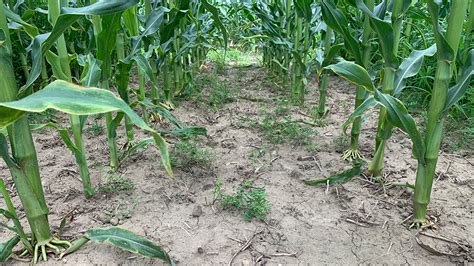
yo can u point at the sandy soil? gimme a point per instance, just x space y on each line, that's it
357 222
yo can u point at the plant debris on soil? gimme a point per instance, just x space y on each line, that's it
255 134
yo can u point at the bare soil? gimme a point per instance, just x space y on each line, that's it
359 222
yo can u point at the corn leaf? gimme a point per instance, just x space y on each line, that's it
338 21
77 100
6 249
152 25
399 117
410 67
303 8
338 178
91 70
144 64
129 241
353 73
6 226
6 214
369 103
31 30
331 54
445 51
456 92
385 33
63 133
43 42
217 21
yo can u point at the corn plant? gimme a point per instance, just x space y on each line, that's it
425 148
360 50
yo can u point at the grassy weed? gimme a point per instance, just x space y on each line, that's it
250 201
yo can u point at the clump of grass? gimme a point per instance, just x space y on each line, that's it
341 143
114 183
250 201
245 121
283 107
291 132
221 95
187 154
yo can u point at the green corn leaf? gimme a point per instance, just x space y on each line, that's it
144 64
175 18
217 21
63 133
353 73
410 67
6 249
331 54
31 30
303 8
129 241
369 103
55 63
106 42
6 214
445 51
43 42
91 70
136 147
152 25
338 178
399 117
338 21
456 92
77 100
385 33
130 21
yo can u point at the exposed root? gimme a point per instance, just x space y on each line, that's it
352 154
428 222
55 245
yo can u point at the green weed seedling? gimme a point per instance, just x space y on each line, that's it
95 129
279 132
249 200
115 182
221 95
187 154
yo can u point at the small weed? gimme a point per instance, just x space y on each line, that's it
341 143
258 153
249 200
286 132
312 148
246 122
220 95
95 130
187 154
114 182
283 107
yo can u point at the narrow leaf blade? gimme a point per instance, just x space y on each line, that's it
129 241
